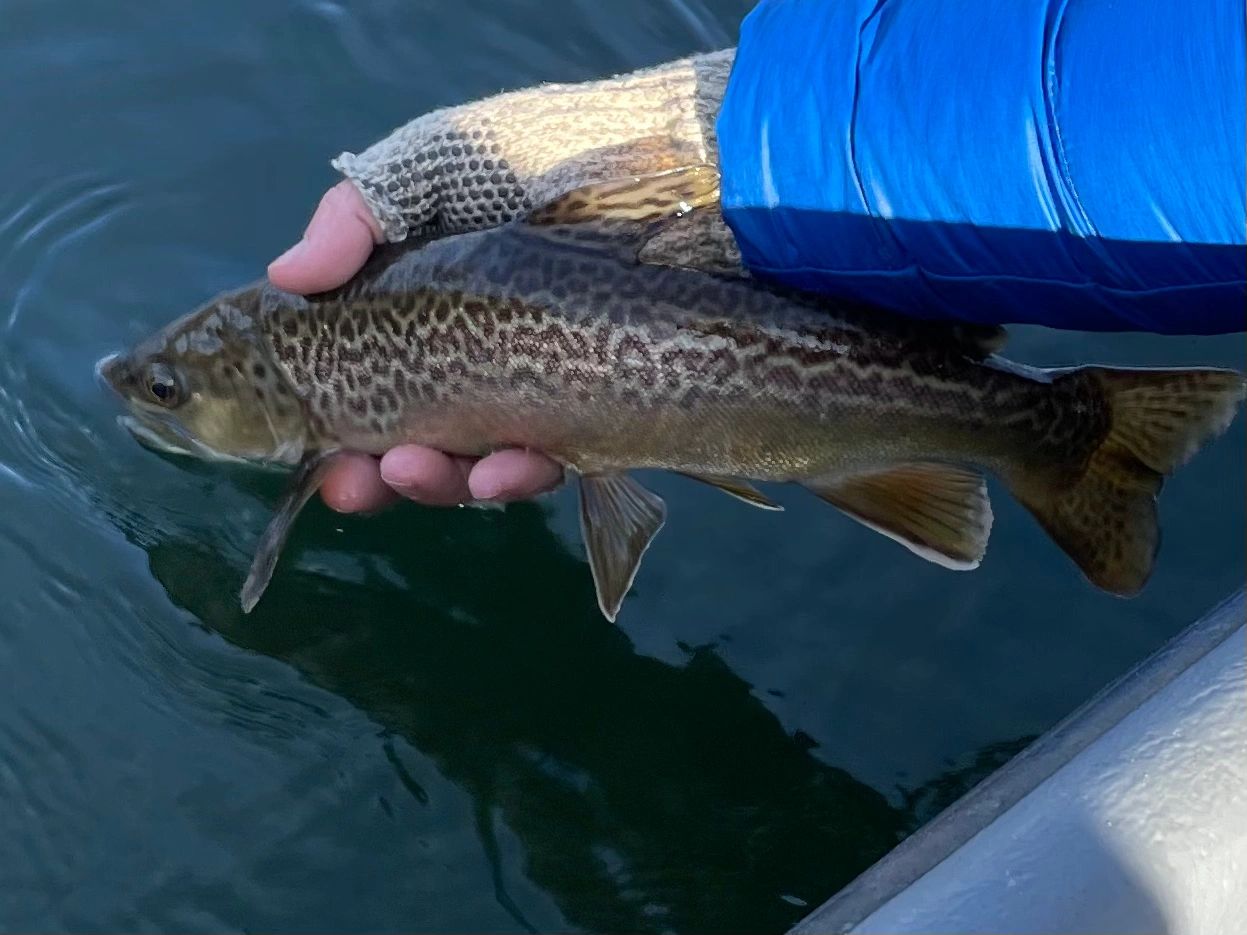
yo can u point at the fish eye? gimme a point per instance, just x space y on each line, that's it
161 385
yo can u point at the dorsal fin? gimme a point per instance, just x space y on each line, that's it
984 340
620 216
638 199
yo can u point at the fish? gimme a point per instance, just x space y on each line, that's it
549 333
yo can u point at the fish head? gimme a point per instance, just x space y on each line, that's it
208 386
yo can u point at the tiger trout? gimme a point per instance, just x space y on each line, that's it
550 334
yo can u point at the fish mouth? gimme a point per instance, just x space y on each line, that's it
155 436
165 436
105 367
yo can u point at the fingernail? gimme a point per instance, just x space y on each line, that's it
404 485
499 492
489 492
400 485
399 480
291 254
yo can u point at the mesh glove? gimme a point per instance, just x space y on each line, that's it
486 162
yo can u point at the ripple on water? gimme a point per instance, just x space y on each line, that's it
57 431
35 235
48 449
71 482
38 232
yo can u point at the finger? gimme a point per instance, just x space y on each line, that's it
514 474
427 476
354 485
335 245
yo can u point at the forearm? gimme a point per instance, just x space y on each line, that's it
936 157
485 162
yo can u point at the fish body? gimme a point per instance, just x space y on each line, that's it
507 338
549 334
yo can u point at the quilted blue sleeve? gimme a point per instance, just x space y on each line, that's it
1073 163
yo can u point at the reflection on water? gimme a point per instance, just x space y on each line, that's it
647 797
426 725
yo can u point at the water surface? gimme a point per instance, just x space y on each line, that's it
426 724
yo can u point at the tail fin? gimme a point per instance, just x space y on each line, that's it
1105 518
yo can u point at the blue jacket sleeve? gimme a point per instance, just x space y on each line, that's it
1073 163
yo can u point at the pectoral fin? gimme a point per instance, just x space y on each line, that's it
937 511
306 481
618 519
738 488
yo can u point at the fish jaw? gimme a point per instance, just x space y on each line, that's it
163 437
154 436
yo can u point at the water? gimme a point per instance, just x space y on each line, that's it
426 725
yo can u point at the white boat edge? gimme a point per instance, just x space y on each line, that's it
1130 815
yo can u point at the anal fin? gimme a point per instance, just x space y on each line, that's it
738 488
618 519
938 511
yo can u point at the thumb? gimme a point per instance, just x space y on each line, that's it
335 245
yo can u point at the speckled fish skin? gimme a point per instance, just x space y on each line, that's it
548 334
510 338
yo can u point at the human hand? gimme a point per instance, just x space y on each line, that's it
482 164
335 245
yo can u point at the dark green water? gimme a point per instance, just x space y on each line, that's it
426 725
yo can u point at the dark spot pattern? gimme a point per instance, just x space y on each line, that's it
576 333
